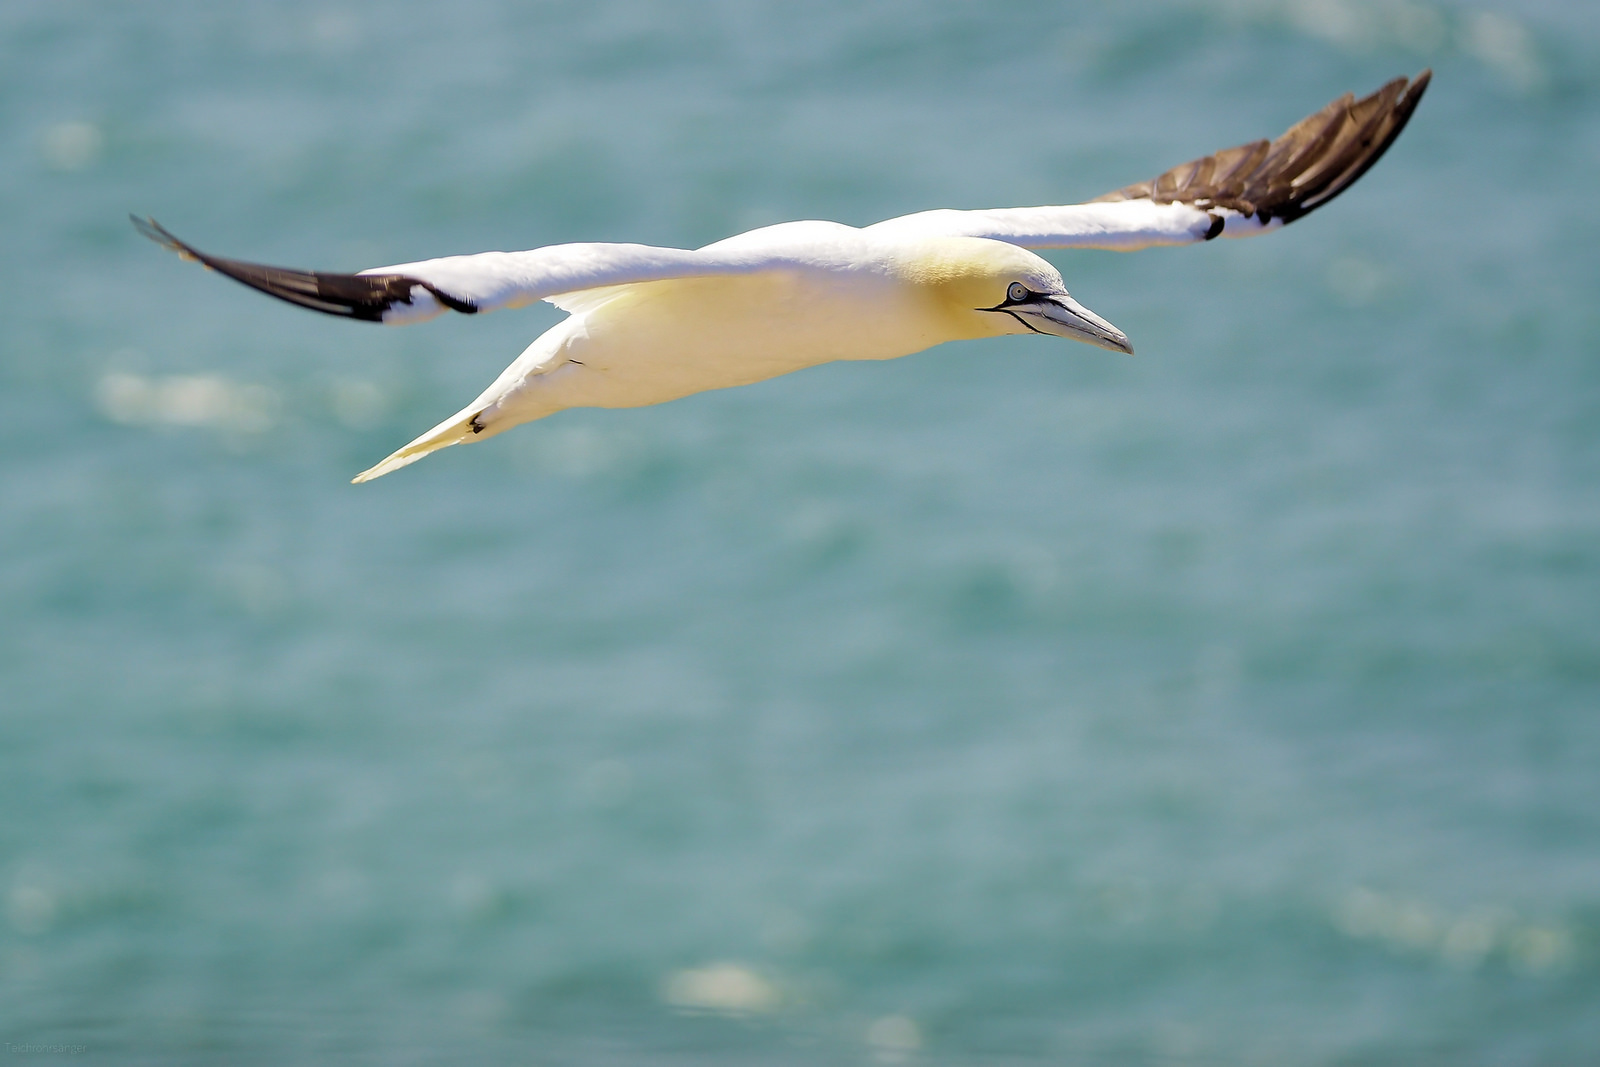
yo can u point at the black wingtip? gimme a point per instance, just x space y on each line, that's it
364 297
158 233
1314 161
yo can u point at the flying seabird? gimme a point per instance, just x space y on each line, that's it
647 325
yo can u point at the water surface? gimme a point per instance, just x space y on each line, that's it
1010 703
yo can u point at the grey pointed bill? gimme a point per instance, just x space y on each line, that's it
1061 316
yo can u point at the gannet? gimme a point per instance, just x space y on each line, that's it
647 325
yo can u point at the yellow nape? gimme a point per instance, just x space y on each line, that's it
962 275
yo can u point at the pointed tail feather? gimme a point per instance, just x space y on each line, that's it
454 430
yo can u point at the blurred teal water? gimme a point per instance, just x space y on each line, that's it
1010 703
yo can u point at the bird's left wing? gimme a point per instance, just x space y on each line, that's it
487 281
1237 192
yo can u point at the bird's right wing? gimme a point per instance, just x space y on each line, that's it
1237 192
413 292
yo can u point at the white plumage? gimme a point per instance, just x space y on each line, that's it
650 324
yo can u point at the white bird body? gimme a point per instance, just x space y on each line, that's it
652 342
808 302
781 299
648 325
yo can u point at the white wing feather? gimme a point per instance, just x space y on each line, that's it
1121 226
491 281
494 280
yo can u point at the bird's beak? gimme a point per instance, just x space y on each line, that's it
1060 315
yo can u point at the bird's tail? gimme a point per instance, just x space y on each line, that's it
462 426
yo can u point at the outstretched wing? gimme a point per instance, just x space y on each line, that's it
487 281
1233 193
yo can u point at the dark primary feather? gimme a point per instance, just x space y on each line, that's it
353 296
1314 161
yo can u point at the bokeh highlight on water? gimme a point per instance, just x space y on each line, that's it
1010 703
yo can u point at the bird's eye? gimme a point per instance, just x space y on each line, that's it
1017 292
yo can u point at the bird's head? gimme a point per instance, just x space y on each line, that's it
985 288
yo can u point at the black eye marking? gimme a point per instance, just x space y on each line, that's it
1024 321
1016 293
